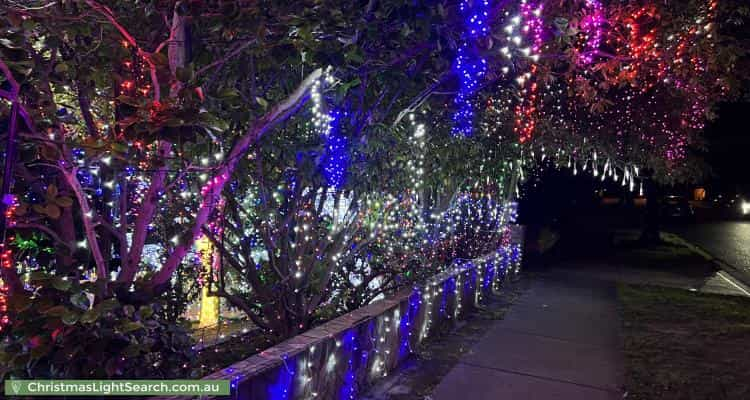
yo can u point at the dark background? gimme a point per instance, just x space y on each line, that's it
728 153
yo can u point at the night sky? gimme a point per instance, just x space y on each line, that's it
728 152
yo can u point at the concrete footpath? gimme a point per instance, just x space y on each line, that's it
559 341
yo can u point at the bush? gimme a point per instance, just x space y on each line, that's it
61 331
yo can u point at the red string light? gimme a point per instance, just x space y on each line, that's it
526 110
6 261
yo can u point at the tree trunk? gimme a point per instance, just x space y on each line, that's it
652 221
176 55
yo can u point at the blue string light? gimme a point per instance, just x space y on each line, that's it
469 65
281 388
336 158
349 348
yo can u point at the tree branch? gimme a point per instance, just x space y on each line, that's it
110 16
88 224
212 191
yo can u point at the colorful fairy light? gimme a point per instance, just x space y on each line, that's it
625 92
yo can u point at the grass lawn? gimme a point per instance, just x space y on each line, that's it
685 345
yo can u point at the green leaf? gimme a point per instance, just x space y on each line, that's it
145 312
354 56
118 148
61 68
19 303
130 326
159 59
128 310
19 362
107 305
131 101
40 351
348 85
64 201
29 24
70 318
49 152
56 311
132 350
25 244
36 276
90 316
263 102
61 284
228 93
80 300
184 74
213 123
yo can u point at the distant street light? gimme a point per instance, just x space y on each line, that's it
745 208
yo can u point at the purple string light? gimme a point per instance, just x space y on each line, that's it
591 26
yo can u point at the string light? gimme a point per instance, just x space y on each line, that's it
470 67
6 258
591 25
326 125
368 349
526 110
